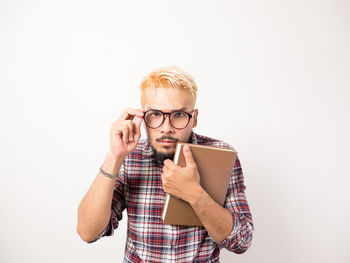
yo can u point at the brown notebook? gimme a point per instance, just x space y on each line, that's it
214 165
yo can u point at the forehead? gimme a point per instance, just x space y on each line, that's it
167 99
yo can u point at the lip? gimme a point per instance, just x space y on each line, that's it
168 142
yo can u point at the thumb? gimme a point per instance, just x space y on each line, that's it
189 157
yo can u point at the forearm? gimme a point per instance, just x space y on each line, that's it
216 219
95 208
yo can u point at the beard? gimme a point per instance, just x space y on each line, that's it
161 157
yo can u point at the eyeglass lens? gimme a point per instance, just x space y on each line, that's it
178 119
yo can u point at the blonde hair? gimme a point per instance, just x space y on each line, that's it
169 77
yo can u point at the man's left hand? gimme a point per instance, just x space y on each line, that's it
181 182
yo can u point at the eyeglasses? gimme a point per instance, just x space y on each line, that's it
178 119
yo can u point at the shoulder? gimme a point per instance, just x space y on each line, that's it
206 140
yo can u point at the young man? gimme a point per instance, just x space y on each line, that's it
137 174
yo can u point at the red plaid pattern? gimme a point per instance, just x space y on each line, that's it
139 190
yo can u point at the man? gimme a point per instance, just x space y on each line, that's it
137 174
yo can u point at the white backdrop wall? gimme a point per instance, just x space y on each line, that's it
273 80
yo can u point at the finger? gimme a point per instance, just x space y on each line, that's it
169 163
165 169
188 156
137 127
162 177
131 130
126 134
129 114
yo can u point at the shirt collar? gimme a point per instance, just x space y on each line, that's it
194 138
147 151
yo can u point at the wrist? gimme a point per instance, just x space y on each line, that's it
197 195
115 156
112 163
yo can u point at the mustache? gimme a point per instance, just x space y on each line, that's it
164 137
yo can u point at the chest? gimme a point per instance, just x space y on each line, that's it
144 192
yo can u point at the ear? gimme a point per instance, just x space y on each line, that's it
195 116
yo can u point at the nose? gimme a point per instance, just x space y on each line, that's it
167 128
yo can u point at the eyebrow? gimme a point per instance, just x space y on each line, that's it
183 108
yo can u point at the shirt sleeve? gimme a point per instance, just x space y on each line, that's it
117 207
240 237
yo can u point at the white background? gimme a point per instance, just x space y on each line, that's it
273 80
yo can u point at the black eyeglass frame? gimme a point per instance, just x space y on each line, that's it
164 116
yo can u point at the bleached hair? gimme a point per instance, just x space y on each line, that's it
169 77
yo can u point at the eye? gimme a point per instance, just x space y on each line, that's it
155 114
178 114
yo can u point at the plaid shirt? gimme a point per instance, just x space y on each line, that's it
139 189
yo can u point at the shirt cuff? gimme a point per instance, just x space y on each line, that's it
228 240
107 231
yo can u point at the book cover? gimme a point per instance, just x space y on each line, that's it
214 165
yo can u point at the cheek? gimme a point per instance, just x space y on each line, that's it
149 133
152 135
186 134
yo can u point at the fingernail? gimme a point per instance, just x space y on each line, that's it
186 147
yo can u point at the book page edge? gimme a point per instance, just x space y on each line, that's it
210 147
165 206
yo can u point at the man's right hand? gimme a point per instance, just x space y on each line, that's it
94 211
125 132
